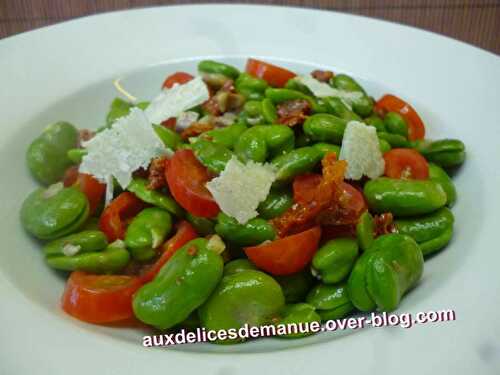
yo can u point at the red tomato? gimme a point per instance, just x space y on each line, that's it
170 123
176 78
186 178
286 255
185 233
405 163
99 298
391 103
304 187
274 75
92 188
114 216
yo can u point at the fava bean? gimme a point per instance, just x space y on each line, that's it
362 106
445 152
330 301
54 212
276 203
210 66
339 109
76 155
364 231
238 265
325 148
113 259
138 186
261 141
334 260
170 138
246 297
86 241
295 162
47 157
431 246
324 127
376 122
296 286
147 231
212 155
299 315
269 111
384 145
183 284
404 197
250 86
428 228
252 233
396 124
394 140
437 174
227 136
202 225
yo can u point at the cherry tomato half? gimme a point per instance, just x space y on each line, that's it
99 298
185 233
391 103
176 78
274 75
114 216
286 255
405 163
186 178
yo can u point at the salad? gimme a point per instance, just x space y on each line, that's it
233 198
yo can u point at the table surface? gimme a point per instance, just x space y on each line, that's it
473 21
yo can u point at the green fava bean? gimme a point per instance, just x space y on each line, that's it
384 145
362 106
330 301
227 136
356 284
364 231
437 174
147 231
113 259
396 124
238 265
376 122
76 155
54 212
404 197
47 157
298 314
202 225
431 246
394 140
210 66
293 84
170 138
269 111
119 108
325 148
246 297
212 155
334 260
183 284
445 152
138 186
393 269
252 233
261 141
339 109
426 229
298 161
275 204
83 242
278 96
253 108
324 127
251 87
296 286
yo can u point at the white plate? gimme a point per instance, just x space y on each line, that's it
65 72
